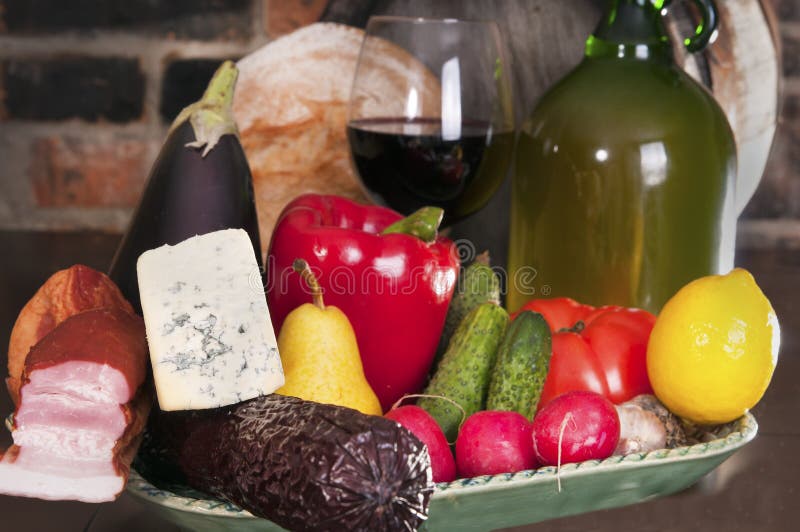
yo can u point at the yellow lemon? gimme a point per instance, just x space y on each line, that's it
714 348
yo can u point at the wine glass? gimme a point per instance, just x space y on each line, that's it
430 118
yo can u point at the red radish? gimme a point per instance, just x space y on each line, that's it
492 442
424 427
574 427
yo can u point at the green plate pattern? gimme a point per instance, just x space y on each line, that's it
498 501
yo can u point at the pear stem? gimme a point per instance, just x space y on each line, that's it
302 267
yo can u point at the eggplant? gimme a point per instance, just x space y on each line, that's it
301 464
199 183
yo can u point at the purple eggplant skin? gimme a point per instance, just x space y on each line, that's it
301 464
189 192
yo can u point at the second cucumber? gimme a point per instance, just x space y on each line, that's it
523 360
464 372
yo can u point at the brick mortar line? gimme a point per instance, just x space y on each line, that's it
153 64
119 45
106 42
789 29
790 86
105 219
259 23
768 233
76 127
787 223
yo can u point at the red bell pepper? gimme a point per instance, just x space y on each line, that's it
603 350
393 278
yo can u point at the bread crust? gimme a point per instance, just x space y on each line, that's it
291 106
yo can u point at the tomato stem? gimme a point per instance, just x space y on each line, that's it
577 328
483 258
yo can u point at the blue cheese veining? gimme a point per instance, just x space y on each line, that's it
208 327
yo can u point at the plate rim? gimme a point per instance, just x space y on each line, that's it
745 430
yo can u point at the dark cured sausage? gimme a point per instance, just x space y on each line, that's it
303 465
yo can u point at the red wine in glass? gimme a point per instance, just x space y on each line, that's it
430 121
408 164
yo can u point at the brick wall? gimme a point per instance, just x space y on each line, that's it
88 88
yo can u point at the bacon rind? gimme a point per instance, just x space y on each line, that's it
64 294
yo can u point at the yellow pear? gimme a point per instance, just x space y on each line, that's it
320 355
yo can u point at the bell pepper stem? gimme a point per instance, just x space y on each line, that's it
423 224
302 267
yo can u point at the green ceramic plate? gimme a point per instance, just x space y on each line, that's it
490 502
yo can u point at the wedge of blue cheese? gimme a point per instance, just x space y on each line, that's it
208 327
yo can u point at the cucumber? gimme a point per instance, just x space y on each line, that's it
478 284
520 369
464 372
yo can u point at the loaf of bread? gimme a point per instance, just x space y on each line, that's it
291 105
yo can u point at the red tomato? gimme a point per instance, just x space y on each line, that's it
559 313
602 350
619 338
574 366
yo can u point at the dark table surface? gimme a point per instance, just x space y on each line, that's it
754 491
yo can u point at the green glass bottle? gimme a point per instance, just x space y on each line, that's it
624 183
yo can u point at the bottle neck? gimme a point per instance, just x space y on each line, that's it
631 29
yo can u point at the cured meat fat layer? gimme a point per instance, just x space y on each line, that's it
83 405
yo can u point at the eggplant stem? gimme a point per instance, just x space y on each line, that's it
302 267
211 117
219 92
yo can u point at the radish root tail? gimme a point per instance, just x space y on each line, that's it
428 396
561 430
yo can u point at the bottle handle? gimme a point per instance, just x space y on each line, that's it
707 27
